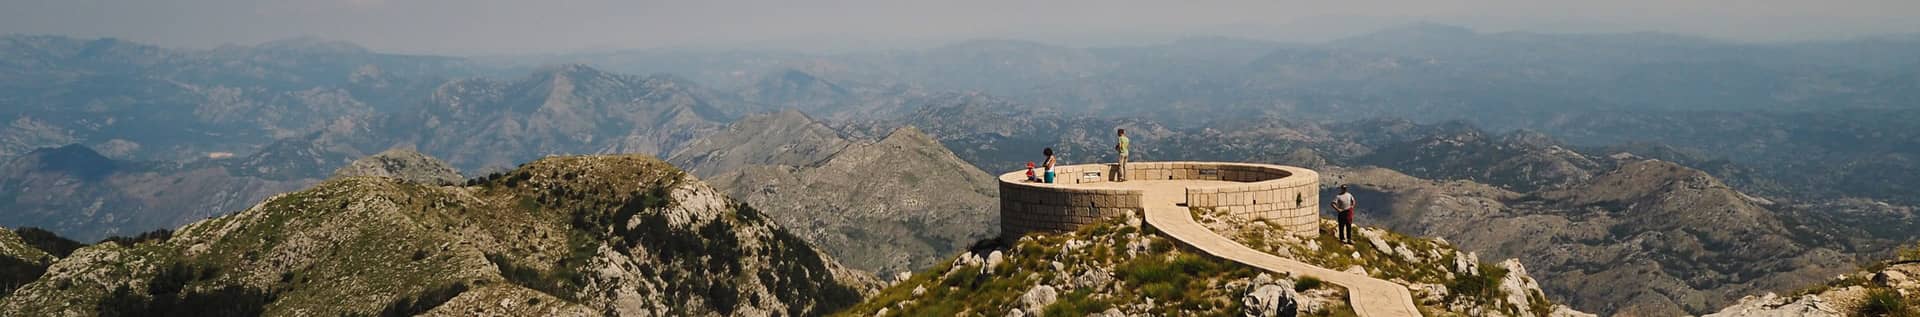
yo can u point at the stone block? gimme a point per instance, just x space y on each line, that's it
1080 200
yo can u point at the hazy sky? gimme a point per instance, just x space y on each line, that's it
479 27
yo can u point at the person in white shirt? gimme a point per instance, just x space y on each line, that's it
1344 205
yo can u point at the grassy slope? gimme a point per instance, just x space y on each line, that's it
1176 281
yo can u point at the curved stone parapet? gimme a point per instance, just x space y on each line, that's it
1284 195
1083 194
1028 206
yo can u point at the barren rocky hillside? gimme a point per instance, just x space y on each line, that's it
897 204
1890 288
1648 238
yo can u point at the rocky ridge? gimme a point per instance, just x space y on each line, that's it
403 164
1890 288
586 235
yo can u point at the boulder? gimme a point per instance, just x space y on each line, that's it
1406 254
1517 285
902 277
994 259
1270 300
1899 277
1379 242
1466 263
1772 305
1038 297
1263 278
1564 311
1093 279
1428 292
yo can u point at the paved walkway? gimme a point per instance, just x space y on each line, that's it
1370 297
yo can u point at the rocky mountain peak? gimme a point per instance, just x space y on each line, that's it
404 164
911 200
1529 139
572 72
293 158
313 44
576 235
74 159
1650 179
795 89
780 138
909 136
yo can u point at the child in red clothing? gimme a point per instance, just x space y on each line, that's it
1030 176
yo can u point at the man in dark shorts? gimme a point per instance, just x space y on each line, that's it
1120 173
1343 204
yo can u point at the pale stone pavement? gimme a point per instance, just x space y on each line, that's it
1370 297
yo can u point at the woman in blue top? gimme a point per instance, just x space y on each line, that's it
1050 161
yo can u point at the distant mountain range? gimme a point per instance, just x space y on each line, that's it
1634 173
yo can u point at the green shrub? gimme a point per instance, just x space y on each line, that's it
1077 303
157 236
1193 264
1163 291
15 273
48 241
1886 302
556 284
1147 270
425 301
1908 253
1306 283
168 295
1485 285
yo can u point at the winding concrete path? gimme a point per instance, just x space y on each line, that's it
1370 297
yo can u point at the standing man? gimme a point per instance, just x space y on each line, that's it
1343 204
1120 175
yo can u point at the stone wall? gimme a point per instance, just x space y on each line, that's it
1287 196
1028 207
1284 195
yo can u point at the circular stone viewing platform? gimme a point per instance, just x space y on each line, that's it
1084 194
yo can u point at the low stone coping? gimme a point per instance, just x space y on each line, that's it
1285 194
